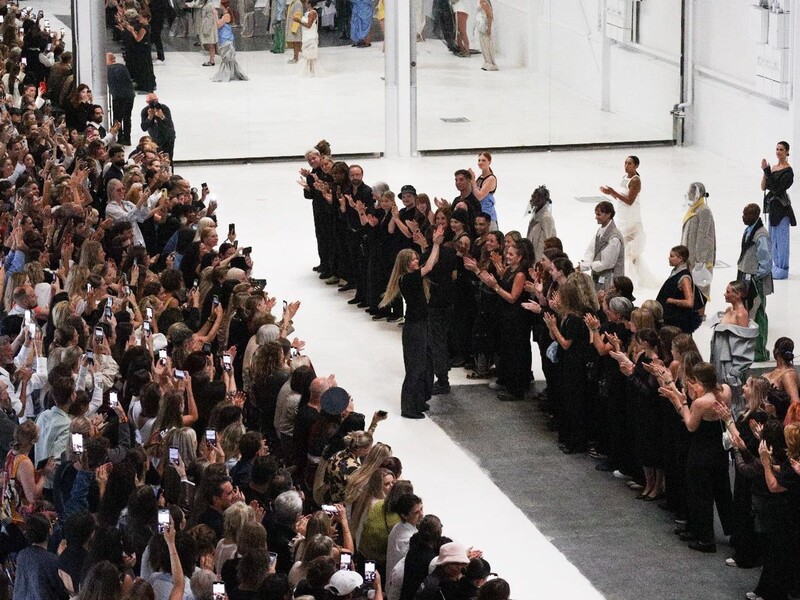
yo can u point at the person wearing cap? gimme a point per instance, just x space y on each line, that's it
344 584
605 255
448 565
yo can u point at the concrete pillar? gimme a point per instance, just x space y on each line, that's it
401 80
794 102
89 43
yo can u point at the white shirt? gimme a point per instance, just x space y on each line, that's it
397 546
128 211
608 255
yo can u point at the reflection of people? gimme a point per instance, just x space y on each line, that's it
310 35
361 22
136 41
629 220
484 17
698 233
774 183
444 24
207 29
605 255
228 69
278 24
755 270
542 225
418 18
293 34
459 8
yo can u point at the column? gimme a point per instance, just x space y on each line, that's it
401 87
794 102
89 43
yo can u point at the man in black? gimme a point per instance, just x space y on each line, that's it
356 192
57 77
220 496
157 122
116 159
466 199
120 86
323 229
483 225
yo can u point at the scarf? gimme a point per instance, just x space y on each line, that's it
693 209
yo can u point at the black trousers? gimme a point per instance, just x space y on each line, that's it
318 210
354 258
439 319
709 484
418 360
155 38
122 109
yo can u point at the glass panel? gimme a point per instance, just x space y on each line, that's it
280 110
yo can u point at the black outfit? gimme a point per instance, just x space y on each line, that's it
161 130
618 444
708 482
686 319
120 85
473 207
214 519
574 384
464 309
322 230
279 539
265 396
76 116
444 23
514 353
417 354
748 481
158 12
776 199
418 558
440 309
138 59
644 388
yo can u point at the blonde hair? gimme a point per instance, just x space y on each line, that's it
360 477
14 281
35 272
235 516
586 292
230 438
401 268
76 280
60 313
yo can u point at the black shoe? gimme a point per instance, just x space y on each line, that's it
354 301
506 397
603 466
362 304
324 275
372 311
709 547
316 269
680 530
412 415
469 365
457 361
393 318
348 287
439 390
378 317
425 407
686 536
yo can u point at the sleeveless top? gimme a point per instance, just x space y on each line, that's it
627 214
708 438
13 494
674 315
225 34
487 204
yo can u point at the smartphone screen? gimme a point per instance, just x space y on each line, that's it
77 443
211 437
162 356
98 334
344 561
369 571
113 401
215 301
32 330
146 327
163 520
179 374
27 317
226 362
218 590
174 457
149 312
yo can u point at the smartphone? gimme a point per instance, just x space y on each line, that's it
215 302
218 590
226 361
285 305
98 335
382 414
293 352
32 330
204 185
369 571
90 357
231 229
162 356
163 520
88 288
211 437
206 348
77 443
344 561
113 400
235 243
247 251
40 465
49 47
179 374
109 302
330 509
107 313
174 457
195 284
24 60
149 312
146 327
127 291
273 558
27 317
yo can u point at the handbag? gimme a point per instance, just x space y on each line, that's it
701 275
552 352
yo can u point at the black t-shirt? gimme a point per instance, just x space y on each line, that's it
441 276
414 295
214 519
473 207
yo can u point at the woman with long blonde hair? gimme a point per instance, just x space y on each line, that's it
408 279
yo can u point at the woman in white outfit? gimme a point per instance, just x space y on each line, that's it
461 12
629 222
310 48
484 17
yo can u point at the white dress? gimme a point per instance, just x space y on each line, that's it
628 219
310 47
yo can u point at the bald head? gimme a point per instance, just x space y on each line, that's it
319 386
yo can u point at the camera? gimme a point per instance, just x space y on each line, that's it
154 104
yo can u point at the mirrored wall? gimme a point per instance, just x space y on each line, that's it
568 72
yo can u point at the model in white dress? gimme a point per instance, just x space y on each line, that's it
309 51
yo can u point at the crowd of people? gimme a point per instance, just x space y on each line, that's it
165 435
625 383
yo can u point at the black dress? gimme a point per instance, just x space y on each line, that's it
648 417
514 349
686 319
138 59
574 383
417 354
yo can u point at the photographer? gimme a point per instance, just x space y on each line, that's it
157 122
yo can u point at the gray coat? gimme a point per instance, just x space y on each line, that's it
733 349
699 236
541 227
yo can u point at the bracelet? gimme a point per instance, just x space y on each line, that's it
729 423
595 330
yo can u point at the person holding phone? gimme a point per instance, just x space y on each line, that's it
27 482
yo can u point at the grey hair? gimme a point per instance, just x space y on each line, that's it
267 333
288 506
202 584
697 190
312 152
379 187
622 306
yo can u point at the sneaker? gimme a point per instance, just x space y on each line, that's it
401 321
158 63
752 596
620 475
731 562
332 280
496 386
635 486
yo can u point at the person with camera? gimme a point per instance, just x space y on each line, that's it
157 122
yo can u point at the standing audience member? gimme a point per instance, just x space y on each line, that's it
120 86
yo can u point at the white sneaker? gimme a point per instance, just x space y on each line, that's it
620 475
752 596
731 562
158 63
496 386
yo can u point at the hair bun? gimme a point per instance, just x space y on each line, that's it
788 356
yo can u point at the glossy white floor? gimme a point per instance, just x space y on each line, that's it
271 215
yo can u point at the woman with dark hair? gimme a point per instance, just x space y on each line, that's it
484 186
408 279
423 547
79 108
121 484
707 462
136 42
268 372
107 544
775 182
514 354
138 524
677 295
783 378
229 69
462 293
288 404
